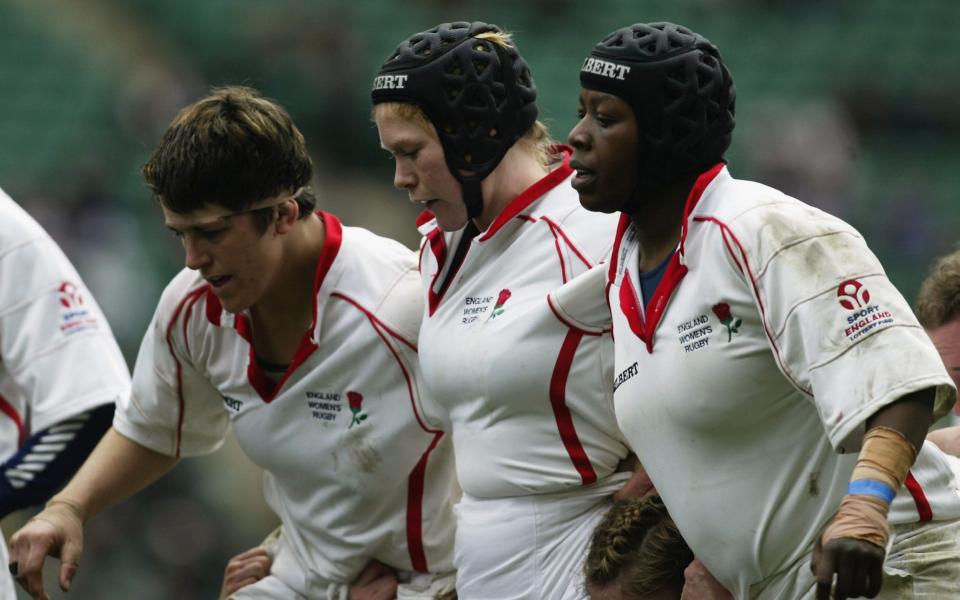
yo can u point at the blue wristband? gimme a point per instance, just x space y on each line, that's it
870 487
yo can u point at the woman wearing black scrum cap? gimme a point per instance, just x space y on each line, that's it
526 390
784 427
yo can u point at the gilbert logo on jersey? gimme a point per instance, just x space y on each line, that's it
74 315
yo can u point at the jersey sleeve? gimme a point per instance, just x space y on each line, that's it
399 317
173 408
582 302
844 334
55 342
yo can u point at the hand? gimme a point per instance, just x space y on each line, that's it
699 584
947 439
376 582
637 486
857 563
244 569
57 531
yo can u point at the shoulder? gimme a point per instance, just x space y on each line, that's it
381 275
592 232
18 227
187 288
765 221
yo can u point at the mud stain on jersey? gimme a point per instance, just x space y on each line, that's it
362 454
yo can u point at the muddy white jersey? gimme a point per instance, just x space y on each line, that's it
744 384
524 390
58 356
352 466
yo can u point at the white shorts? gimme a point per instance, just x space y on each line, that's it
528 547
923 563
287 581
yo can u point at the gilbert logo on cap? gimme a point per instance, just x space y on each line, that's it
389 82
605 68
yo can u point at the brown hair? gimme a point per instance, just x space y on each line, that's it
938 302
231 148
638 546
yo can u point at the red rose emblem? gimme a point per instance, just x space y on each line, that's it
732 324
722 311
503 297
355 401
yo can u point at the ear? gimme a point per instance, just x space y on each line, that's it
288 212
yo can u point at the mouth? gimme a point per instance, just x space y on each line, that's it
426 202
583 178
219 281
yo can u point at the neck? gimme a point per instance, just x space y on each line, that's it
659 221
518 170
290 297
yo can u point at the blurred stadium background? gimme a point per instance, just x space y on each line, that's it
850 106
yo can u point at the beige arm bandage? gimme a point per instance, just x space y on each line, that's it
886 457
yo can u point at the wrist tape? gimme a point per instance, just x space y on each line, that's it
882 466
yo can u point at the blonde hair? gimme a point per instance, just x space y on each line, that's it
638 545
938 302
536 140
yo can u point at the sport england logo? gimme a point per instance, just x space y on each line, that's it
74 316
852 294
865 318
605 68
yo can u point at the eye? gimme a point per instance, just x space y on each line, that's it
211 234
176 234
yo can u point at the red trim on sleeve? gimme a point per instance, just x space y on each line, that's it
181 405
919 497
529 195
8 409
416 481
563 319
558 389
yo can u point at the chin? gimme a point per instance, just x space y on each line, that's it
451 223
593 203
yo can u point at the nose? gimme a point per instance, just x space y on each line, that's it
196 254
578 137
403 176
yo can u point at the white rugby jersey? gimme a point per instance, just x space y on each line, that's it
745 383
354 468
523 389
58 357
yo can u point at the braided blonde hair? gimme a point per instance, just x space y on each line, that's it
638 545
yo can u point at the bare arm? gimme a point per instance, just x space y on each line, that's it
854 551
911 415
115 470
